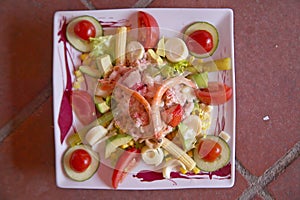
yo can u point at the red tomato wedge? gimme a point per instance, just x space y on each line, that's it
173 115
148 34
215 94
127 161
83 106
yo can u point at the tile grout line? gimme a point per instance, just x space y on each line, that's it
12 124
88 4
265 194
139 4
244 172
251 178
142 3
271 174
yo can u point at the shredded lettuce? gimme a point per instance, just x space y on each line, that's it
103 45
196 110
167 71
181 66
170 70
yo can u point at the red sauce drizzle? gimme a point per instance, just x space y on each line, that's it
114 24
150 176
65 118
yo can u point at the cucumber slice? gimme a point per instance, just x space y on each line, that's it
92 72
207 27
74 40
220 162
89 172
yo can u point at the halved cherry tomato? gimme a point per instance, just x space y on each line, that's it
200 42
215 94
85 29
148 34
83 106
80 160
173 115
125 164
209 150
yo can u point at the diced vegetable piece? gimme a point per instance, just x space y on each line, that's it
74 139
215 65
101 105
105 119
90 71
201 79
225 136
104 64
196 170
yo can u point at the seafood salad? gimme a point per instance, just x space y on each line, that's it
143 97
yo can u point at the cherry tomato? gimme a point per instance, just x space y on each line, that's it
125 164
85 29
148 34
209 150
215 94
200 42
80 160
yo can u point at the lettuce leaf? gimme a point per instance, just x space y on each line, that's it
187 136
103 45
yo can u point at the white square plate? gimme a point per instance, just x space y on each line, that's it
174 19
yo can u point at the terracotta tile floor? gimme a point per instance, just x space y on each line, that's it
267 67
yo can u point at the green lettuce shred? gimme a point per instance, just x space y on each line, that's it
181 66
170 70
103 45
